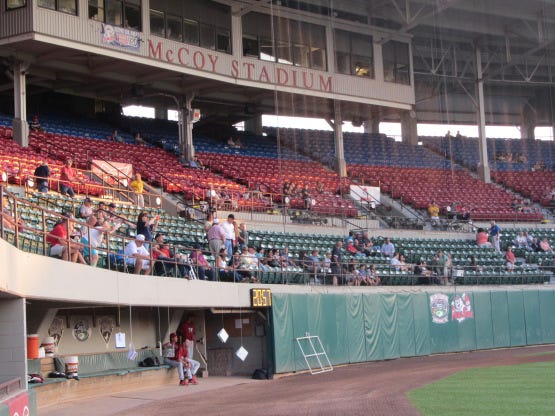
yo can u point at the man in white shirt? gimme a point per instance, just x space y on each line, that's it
137 255
229 231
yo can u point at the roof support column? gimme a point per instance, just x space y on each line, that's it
185 124
20 125
528 123
340 166
409 131
483 165
254 125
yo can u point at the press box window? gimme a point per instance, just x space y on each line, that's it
354 54
65 6
396 62
15 4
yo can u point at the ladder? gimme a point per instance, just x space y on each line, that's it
314 354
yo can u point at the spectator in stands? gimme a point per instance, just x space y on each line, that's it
424 275
337 263
226 272
203 268
448 135
137 255
139 139
147 227
286 258
320 187
352 273
137 186
229 231
216 238
173 357
115 137
495 236
352 248
312 265
85 211
441 266
67 178
35 124
243 237
42 173
397 263
61 244
196 163
113 218
482 238
535 245
161 256
305 194
92 236
372 276
433 211
101 211
273 258
520 241
474 265
388 248
458 135
544 246
510 258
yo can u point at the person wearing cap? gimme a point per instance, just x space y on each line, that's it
137 256
85 211
216 238
42 173
173 356
67 178
92 236
113 217
61 244
229 230
203 268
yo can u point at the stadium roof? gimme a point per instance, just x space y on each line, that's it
516 40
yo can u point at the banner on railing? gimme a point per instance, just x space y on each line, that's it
116 171
366 194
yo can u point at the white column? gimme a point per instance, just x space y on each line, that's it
483 164
340 166
20 125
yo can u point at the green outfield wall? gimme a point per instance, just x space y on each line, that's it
360 327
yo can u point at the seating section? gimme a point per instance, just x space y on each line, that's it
418 187
538 186
503 154
368 149
20 163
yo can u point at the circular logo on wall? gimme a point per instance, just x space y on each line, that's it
81 330
439 308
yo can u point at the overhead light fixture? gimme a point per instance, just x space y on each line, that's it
4 177
158 201
30 183
124 182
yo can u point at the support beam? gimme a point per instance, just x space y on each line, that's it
528 121
20 125
254 125
483 164
185 124
340 166
409 131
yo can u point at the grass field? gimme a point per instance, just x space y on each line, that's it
519 390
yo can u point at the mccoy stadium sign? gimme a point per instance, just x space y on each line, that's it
267 73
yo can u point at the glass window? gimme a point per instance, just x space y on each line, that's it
396 62
174 28
96 10
114 12
15 4
191 32
47 4
292 42
132 14
157 26
250 47
68 6
223 42
354 54
207 37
